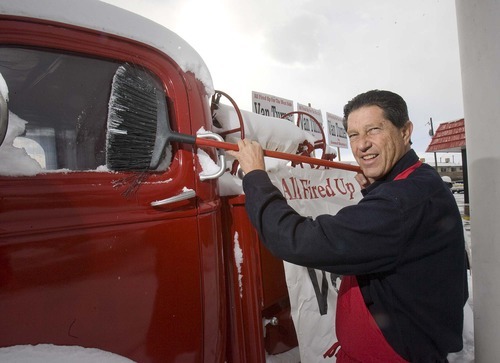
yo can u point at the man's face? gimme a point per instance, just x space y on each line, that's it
375 142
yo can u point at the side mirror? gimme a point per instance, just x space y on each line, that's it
4 118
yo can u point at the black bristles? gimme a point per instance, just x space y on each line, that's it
132 119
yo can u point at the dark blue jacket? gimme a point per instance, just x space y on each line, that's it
404 241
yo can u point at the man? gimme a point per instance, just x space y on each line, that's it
401 249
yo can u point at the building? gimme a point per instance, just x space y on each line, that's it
447 167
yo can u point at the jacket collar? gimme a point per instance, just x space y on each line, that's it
404 163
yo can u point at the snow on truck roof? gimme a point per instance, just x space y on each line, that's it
107 18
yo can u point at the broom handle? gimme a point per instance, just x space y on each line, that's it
281 155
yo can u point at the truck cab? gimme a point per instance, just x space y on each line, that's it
129 255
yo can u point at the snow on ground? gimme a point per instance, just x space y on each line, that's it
48 353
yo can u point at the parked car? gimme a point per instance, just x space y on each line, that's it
447 181
458 187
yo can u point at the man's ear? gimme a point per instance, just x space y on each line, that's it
406 131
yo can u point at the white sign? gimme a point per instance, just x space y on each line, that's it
272 106
337 136
308 124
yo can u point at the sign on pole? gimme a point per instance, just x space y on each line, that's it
272 106
337 136
307 124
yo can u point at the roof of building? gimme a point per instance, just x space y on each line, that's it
449 137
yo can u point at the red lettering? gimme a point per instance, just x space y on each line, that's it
314 189
286 190
350 187
329 189
296 190
321 191
344 192
305 188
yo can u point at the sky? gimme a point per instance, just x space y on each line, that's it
325 52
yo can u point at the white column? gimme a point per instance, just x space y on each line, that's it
479 31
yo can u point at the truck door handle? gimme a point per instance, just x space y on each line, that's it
221 157
184 195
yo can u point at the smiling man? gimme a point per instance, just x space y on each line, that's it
401 248
376 142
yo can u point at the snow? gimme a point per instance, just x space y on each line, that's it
15 160
108 18
290 356
238 260
208 166
467 353
4 90
58 354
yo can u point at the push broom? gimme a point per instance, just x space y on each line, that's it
139 130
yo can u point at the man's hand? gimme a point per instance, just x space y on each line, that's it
363 180
250 155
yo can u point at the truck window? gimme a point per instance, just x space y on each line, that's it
60 103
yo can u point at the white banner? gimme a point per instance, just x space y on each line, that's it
313 293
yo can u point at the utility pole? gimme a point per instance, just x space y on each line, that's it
431 133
